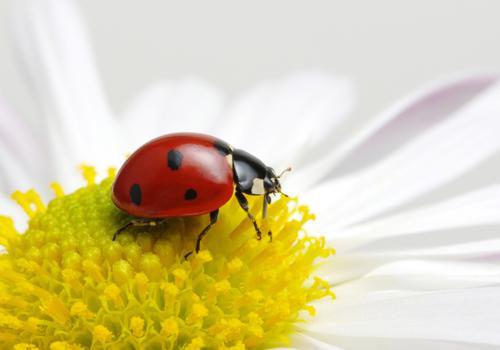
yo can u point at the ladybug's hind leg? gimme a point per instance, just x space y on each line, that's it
213 219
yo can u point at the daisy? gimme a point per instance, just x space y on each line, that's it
410 203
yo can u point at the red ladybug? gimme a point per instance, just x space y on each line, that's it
187 174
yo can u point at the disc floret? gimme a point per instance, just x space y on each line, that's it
66 285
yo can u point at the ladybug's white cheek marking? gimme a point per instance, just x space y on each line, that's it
258 186
229 159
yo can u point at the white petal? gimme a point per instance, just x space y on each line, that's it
18 136
463 315
399 124
280 121
440 155
13 175
412 276
347 267
21 153
172 106
302 341
370 343
450 230
477 208
53 48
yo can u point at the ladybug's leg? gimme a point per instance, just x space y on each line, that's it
213 219
138 222
264 206
123 228
267 200
244 205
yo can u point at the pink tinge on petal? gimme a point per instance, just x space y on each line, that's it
433 159
413 119
394 128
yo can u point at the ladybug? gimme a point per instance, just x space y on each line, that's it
188 174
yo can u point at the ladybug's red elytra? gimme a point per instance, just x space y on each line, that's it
188 174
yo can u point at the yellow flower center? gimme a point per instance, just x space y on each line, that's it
64 284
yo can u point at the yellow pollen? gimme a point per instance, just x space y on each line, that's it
102 334
24 346
169 289
196 344
57 188
235 265
32 324
80 309
169 327
137 326
29 201
113 293
203 256
222 286
89 174
180 276
198 312
111 172
66 285
62 345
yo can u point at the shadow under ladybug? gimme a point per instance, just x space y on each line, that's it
188 174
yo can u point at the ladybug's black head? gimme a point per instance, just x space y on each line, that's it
252 176
272 181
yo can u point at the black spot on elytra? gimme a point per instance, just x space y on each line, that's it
135 194
222 147
174 159
190 194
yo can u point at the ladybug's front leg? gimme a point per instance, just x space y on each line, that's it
267 200
244 205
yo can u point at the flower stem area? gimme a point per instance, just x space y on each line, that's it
64 284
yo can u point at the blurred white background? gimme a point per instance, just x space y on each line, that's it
388 47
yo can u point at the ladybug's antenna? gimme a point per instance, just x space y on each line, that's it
284 171
284 194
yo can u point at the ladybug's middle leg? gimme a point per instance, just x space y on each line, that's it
213 219
244 205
